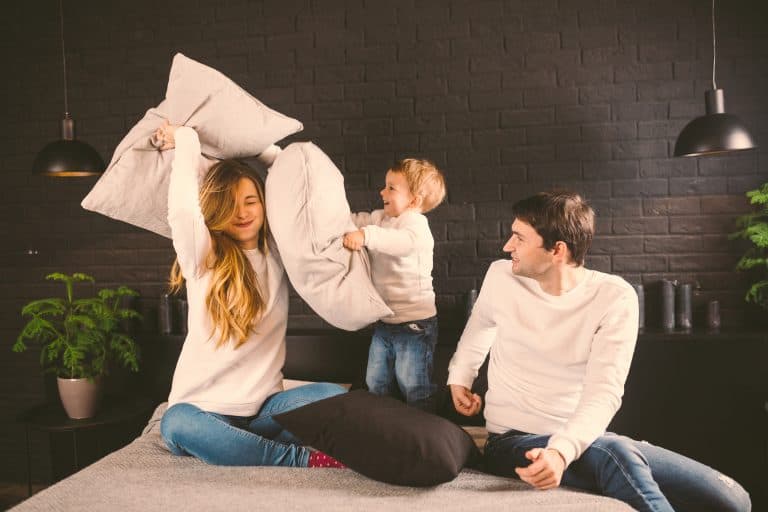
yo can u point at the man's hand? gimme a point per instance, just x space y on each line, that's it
354 240
465 402
164 137
546 470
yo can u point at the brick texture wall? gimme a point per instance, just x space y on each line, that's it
508 97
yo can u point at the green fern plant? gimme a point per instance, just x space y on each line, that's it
754 227
80 337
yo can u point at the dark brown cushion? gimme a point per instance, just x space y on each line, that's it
382 438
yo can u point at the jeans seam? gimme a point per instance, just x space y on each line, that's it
240 431
627 477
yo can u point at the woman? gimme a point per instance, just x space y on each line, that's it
228 380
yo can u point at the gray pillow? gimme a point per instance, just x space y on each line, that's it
308 213
230 122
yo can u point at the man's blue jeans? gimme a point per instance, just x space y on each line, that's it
401 357
647 477
242 441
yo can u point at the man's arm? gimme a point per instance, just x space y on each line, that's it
606 372
472 349
607 369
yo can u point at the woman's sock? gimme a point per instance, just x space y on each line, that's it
322 460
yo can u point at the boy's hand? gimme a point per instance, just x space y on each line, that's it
465 402
546 470
164 137
354 240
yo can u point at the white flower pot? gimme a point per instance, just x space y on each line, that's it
80 397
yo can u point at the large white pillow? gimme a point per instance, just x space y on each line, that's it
230 122
308 214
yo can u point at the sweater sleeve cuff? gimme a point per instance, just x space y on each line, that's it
185 136
461 378
366 236
565 446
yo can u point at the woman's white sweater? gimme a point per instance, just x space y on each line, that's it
223 380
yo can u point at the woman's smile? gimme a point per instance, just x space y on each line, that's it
244 224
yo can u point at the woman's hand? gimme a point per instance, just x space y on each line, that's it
354 240
164 137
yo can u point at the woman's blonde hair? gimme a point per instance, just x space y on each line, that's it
235 299
424 179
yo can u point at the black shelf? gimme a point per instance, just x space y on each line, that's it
702 334
75 444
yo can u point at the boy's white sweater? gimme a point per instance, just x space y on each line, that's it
557 363
401 251
224 380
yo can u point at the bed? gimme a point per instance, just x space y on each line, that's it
145 476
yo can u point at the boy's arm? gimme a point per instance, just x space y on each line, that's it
355 240
400 241
607 368
365 218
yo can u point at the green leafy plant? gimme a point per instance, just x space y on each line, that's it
81 337
754 227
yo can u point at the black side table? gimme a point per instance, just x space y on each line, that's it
78 443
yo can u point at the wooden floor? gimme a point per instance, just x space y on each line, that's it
13 493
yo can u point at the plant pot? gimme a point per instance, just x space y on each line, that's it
80 397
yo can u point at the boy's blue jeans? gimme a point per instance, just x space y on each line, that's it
238 440
647 477
401 357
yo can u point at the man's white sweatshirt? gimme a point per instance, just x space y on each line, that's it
558 363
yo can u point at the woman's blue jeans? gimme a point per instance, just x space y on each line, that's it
242 441
400 359
647 477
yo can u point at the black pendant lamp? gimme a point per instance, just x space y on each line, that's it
67 157
716 132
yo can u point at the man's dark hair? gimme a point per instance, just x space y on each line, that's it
559 215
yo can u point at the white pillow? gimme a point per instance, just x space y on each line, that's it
230 122
308 214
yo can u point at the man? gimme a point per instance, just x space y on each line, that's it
561 339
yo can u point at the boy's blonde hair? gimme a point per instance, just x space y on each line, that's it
424 179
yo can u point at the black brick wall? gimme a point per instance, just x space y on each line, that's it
508 97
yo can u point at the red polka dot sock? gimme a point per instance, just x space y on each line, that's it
321 460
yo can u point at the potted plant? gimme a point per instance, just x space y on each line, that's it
81 339
754 227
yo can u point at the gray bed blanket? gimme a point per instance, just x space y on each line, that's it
145 476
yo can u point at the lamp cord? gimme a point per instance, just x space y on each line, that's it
64 56
714 46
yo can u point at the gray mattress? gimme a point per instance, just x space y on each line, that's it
145 476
